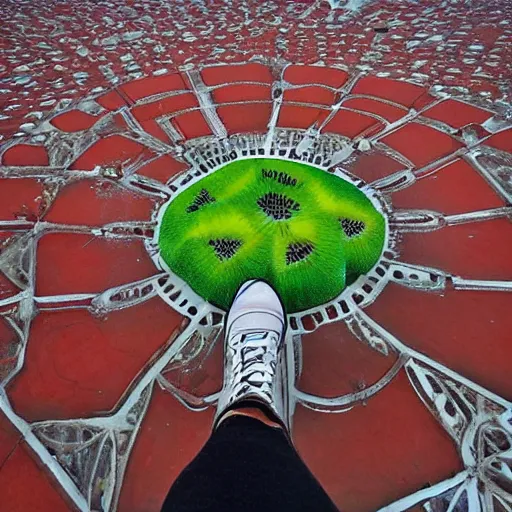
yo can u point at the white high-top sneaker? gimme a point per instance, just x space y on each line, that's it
253 366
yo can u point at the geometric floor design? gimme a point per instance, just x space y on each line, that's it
108 388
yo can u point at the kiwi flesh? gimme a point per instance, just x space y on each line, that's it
305 231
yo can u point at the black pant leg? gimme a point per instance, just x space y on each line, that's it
247 466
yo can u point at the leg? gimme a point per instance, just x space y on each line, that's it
247 466
249 462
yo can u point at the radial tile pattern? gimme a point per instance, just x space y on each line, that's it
110 366
56 52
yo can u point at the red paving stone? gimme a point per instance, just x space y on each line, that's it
243 92
10 437
421 144
164 107
56 384
474 251
192 125
243 73
501 141
403 93
457 114
389 112
102 263
98 202
20 198
115 150
377 452
456 188
112 100
310 94
162 168
74 121
153 128
372 166
25 485
169 438
25 154
474 343
151 86
351 124
336 363
245 118
328 76
291 116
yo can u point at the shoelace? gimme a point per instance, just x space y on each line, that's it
254 359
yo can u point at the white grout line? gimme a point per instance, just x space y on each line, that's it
54 467
350 399
75 297
425 494
482 285
490 214
207 106
404 349
161 363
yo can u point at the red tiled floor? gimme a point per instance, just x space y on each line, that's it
351 124
9 438
329 76
475 251
26 485
164 107
457 114
245 118
98 202
98 263
153 128
20 198
336 363
79 365
291 116
456 188
192 125
372 166
245 92
112 100
242 73
310 94
377 452
169 438
501 140
403 93
150 86
466 331
228 33
114 150
25 154
74 121
162 168
389 112
421 144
